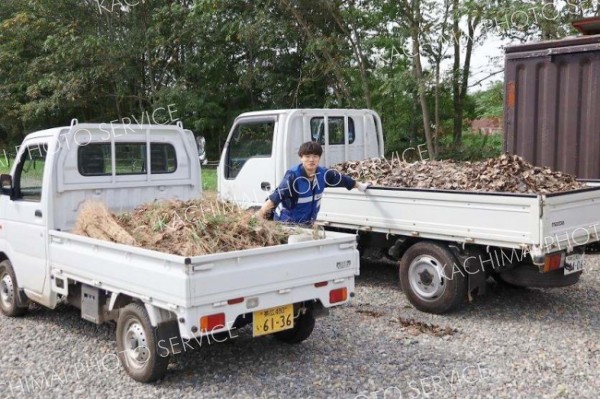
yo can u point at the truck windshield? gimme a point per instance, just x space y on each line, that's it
249 140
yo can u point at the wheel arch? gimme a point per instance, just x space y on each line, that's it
403 244
119 300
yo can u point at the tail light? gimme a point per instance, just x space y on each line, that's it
212 322
321 284
553 262
338 295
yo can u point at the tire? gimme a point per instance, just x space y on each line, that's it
138 350
431 278
530 276
9 292
304 325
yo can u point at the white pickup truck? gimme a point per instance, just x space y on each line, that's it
160 301
446 243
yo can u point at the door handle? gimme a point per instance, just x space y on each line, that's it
38 213
265 186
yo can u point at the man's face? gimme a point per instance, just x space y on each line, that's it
310 163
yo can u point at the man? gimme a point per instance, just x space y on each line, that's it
302 187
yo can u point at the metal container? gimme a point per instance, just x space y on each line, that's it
552 104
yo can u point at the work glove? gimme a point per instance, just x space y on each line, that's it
362 187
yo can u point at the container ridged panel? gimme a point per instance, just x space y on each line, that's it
552 108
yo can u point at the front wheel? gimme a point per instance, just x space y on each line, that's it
138 349
431 278
9 291
304 325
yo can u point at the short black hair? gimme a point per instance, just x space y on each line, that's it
310 148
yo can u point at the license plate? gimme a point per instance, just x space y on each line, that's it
573 263
273 320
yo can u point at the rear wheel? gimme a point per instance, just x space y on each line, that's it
304 325
9 291
431 278
138 349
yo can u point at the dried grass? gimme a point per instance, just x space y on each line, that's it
190 228
95 220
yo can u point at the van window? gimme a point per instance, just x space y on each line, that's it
336 130
130 159
30 173
249 140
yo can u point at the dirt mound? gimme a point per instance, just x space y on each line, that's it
507 173
187 228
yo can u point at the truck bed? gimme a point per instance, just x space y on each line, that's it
174 282
541 223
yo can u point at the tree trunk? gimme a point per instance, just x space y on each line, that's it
418 74
437 109
332 63
547 25
354 38
456 98
363 71
438 56
472 23
413 124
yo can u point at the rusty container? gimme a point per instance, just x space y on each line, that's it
552 104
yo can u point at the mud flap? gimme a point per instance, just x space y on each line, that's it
22 299
168 339
476 277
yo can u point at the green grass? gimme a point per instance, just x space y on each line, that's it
474 147
5 164
209 179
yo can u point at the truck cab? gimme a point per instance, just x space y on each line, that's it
262 146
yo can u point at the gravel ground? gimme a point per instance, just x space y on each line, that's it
512 343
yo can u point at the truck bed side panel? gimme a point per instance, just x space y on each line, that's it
503 220
148 274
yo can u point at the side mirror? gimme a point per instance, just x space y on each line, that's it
201 143
7 185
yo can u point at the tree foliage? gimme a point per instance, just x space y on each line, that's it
105 60
489 103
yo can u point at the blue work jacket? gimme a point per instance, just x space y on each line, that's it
297 200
